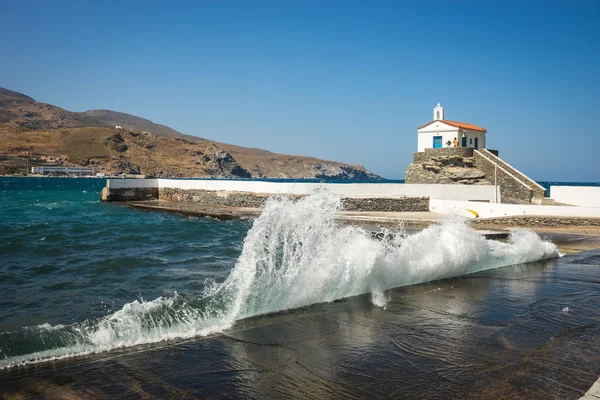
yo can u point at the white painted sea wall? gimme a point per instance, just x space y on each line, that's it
489 210
131 183
583 196
482 193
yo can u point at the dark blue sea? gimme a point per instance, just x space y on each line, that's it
78 276
547 185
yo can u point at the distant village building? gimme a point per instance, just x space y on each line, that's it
441 133
62 171
118 127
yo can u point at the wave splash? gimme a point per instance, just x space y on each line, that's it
294 255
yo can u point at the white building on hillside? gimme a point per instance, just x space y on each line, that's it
439 132
62 171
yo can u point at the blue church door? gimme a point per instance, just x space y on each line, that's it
464 141
477 143
437 142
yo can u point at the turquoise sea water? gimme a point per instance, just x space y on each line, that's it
67 257
78 276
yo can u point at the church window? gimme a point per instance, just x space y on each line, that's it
438 115
471 141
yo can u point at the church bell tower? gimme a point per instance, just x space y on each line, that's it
438 113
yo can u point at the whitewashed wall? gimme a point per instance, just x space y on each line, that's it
475 134
437 128
426 139
488 210
583 196
389 190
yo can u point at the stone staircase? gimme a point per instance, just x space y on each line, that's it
513 183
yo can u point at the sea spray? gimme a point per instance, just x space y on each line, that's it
294 255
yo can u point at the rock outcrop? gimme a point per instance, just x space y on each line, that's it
446 170
115 141
342 172
228 166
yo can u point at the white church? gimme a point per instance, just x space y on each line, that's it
441 133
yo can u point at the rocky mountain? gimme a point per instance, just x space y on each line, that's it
131 122
90 138
9 94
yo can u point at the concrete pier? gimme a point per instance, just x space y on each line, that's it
593 393
223 213
384 203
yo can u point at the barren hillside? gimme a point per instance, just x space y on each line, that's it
142 146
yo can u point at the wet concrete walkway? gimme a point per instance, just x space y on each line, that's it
372 220
226 213
529 331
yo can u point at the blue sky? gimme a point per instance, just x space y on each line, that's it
340 80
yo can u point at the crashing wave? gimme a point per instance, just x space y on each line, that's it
294 255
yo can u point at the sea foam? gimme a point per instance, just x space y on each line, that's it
294 255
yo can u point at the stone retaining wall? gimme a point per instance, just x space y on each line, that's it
214 197
538 221
402 204
423 156
129 194
257 200
419 157
510 187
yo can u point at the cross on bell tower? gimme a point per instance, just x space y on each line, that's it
438 113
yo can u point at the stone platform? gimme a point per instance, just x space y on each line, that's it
219 212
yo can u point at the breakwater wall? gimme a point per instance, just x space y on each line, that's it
257 200
356 196
583 196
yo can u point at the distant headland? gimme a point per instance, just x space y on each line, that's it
44 139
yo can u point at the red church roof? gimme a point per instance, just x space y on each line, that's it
463 125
